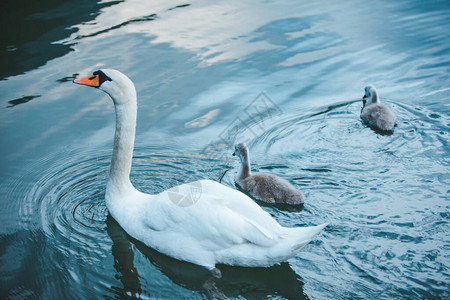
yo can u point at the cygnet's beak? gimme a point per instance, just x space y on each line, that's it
364 99
234 154
93 80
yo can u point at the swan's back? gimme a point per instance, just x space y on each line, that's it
270 188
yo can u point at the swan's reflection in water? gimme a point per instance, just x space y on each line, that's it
252 283
123 260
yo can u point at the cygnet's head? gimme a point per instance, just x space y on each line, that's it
241 151
370 95
116 84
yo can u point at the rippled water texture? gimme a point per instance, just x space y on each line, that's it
286 77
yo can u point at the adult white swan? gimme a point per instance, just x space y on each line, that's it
222 225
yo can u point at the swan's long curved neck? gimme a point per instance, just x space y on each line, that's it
126 112
244 171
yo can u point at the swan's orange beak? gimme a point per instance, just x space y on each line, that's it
93 80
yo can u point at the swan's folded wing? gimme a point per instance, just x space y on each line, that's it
220 218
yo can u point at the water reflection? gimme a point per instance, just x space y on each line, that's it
22 100
30 30
123 260
183 28
253 283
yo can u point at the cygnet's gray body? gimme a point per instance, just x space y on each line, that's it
375 113
265 187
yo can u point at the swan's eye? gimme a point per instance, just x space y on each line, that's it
102 77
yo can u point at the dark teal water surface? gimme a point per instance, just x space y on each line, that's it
285 76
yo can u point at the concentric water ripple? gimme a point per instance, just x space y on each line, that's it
68 202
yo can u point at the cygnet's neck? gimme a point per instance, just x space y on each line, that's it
374 96
126 112
244 171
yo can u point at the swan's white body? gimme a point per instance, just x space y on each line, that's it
375 113
221 225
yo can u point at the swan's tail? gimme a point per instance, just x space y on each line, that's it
298 237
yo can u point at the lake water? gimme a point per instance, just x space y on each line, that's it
285 76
